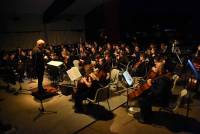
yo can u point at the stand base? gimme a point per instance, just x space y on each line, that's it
42 112
22 91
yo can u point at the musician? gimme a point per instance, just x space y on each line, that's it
100 62
38 63
196 62
127 52
21 60
93 54
156 84
86 87
152 57
29 69
65 57
163 49
139 68
197 53
136 54
83 55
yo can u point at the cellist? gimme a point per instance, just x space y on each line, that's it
155 71
156 87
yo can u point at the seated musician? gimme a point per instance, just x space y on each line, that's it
105 68
85 88
196 62
197 51
140 67
152 57
7 69
157 81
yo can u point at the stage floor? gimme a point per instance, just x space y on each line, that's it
21 112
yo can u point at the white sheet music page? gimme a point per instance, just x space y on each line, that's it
74 73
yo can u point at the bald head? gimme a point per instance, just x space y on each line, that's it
40 43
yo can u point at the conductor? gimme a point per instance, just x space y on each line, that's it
38 63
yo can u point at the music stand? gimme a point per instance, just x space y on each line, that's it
129 81
55 64
195 73
74 74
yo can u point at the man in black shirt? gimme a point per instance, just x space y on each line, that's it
38 63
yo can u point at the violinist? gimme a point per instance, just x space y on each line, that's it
65 57
163 50
153 55
21 60
136 53
139 68
86 87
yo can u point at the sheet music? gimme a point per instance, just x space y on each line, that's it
74 73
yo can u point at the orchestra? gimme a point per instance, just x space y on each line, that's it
95 64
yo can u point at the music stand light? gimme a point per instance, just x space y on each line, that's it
128 78
55 63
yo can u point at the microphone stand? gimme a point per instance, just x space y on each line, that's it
177 55
191 83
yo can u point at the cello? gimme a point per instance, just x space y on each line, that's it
154 73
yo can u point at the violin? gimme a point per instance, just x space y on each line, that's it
136 65
99 74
